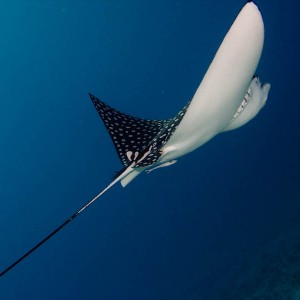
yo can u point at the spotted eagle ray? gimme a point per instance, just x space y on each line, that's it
228 97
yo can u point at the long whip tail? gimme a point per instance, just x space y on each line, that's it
45 239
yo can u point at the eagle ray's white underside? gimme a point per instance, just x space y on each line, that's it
219 96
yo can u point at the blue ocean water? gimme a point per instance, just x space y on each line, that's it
223 223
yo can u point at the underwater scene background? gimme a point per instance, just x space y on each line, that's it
222 223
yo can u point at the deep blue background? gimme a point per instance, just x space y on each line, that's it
183 232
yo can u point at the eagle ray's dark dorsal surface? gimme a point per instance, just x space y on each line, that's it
128 133
132 135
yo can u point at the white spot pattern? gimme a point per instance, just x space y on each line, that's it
137 139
